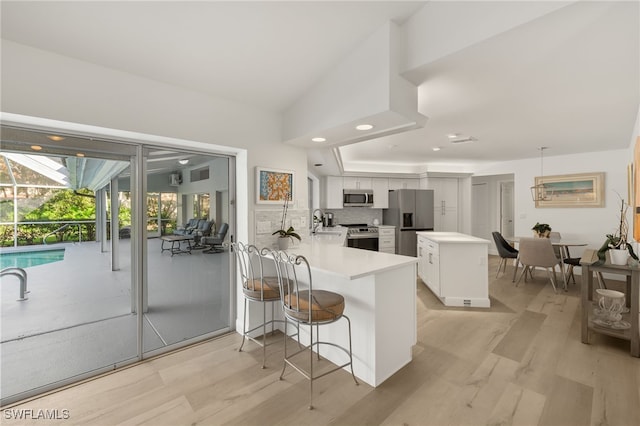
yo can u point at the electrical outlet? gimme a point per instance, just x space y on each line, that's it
263 227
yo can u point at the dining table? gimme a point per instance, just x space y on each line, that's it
563 245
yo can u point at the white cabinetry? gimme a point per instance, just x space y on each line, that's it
445 203
404 183
387 239
422 257
350 182
380 188
332 193
454 267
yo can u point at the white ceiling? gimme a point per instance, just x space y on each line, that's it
567 81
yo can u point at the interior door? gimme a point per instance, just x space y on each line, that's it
506 208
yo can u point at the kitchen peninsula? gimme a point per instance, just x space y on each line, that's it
380 299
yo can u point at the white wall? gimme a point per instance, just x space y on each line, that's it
586 224
43 84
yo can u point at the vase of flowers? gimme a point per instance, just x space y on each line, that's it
285 235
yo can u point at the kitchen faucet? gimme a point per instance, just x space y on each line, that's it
316 225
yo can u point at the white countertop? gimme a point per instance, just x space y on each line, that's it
452 237
347 262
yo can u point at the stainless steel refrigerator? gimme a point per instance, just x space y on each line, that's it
410 211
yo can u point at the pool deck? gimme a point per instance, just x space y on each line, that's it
78 315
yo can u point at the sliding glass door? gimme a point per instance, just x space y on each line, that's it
92 229
188 283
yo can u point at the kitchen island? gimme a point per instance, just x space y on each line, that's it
454 267
380 299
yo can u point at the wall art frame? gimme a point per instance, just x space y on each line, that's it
274 186
573 190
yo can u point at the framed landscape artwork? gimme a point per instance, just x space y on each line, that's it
577 190
273 186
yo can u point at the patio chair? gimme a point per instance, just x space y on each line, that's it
187 228
215 241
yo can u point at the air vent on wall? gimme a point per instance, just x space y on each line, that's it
199 174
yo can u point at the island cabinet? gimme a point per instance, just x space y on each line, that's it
454 267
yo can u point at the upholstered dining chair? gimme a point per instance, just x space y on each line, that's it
256 287
538 252
305 305
505 251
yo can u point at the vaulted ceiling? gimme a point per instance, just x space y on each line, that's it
567 78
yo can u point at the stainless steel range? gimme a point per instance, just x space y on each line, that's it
362 236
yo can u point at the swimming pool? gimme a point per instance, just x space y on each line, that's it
25 259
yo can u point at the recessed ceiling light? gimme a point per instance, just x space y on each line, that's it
79 154
55 138
319 139
453 135
183 161
364 127
36 147
436 148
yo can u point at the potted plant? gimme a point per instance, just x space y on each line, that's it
617 244
541 230
285 234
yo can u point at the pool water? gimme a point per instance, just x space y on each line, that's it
26 259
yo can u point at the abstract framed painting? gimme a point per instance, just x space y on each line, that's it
273 186
576 190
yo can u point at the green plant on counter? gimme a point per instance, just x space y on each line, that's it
542 229
288 232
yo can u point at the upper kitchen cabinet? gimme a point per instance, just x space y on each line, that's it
380 188
445 203
331 194
350 182
403 183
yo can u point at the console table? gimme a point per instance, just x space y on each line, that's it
632 275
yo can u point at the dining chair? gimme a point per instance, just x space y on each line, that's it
505 251
564 254
307 306
256 287
538 252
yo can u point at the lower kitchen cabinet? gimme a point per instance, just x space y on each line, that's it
454 267
387 239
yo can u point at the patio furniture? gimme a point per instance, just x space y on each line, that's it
175 241
215 241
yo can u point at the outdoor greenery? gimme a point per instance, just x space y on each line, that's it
59 206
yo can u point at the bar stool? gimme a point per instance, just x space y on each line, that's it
306 306
256 287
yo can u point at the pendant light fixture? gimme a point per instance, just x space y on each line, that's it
540 192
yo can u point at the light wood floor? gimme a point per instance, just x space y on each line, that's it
520 362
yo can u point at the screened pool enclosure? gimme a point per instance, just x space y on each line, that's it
112 297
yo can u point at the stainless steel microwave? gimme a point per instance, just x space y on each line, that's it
357 198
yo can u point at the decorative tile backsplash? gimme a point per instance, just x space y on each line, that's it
268 221
356 215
